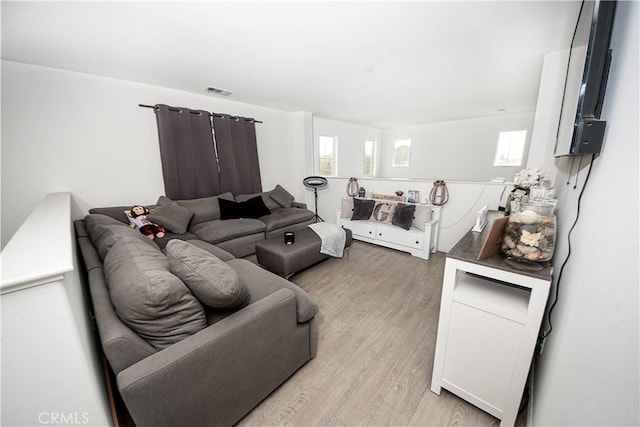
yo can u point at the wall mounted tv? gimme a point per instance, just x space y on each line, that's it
580 130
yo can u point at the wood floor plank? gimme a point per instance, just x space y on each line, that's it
377 325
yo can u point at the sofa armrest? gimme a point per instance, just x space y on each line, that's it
299 205
217 375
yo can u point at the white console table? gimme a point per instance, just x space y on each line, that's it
490 316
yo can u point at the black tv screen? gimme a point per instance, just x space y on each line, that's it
580 130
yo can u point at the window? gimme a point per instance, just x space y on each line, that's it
369 158
401 152
510 149
327 156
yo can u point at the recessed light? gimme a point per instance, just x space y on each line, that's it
219 91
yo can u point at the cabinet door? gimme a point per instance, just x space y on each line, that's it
400 237
481 353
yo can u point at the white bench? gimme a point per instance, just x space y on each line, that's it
415 241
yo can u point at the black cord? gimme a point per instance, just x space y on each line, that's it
575 182
555 299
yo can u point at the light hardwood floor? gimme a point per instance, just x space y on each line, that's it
378 322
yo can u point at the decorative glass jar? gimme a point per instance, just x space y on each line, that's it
530 233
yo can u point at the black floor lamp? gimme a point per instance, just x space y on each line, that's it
315 182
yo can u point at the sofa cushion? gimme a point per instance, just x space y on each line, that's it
222 230
115 212
270 203
149 298
362 209
251 208
204 209
173 217
282 196
284 217
212 249
105 231
261 283
211 280
403 216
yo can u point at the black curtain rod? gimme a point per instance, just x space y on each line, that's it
219 116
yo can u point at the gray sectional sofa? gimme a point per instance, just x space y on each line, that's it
194 335
202 219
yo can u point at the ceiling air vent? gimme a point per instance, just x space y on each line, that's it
219 91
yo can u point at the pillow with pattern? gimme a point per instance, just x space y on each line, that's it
383 212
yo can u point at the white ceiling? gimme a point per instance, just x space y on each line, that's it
384 64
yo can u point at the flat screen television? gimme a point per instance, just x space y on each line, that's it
580 130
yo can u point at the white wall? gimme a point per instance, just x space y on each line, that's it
351 138
460 150
588 373
547 115
66 131
51 365
435 142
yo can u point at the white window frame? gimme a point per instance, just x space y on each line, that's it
372 144
510 148
399 143
334 144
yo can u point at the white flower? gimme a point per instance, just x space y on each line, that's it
527 178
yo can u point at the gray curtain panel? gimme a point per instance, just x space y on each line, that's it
187 152
237 154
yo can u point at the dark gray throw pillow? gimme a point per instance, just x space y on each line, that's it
174 218
252 208
266 198
282 196
362 209
211 280
204 209
403 216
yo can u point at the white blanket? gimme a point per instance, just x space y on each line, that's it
333 238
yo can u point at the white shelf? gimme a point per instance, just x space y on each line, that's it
499 298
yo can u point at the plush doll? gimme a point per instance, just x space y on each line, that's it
138 219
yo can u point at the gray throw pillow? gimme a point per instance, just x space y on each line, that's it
282 196
147 297
174 218
362 209
116 212
403 216
104 231
211 280
204 209
266 198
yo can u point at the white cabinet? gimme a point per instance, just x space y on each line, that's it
490 316
415 241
